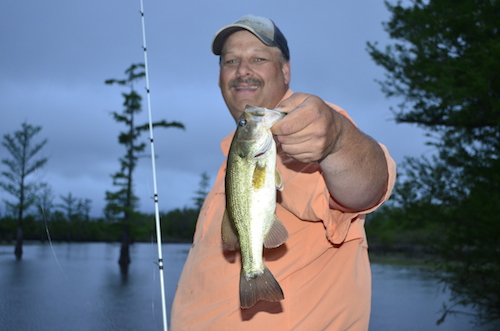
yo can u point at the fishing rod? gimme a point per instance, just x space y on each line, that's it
153 164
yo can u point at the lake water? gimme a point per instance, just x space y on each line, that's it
76 287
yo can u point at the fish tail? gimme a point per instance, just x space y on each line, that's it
260 287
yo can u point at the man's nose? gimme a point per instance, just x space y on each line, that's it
244 69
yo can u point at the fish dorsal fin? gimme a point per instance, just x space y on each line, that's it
229 235
277 234
278 180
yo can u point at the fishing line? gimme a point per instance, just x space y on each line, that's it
153 165
50 243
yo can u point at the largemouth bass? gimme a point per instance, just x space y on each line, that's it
250 221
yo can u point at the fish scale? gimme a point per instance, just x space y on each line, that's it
250 222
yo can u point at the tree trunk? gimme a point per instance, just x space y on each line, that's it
124 260
19 243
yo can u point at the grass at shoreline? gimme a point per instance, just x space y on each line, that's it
400 259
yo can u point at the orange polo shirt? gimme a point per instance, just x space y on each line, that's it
322 268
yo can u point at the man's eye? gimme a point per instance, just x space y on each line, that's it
231 61
259 59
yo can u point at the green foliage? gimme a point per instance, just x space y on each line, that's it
22 150
7 229
180 223
70 219
69 205
470 251
444 65
202 191
177 226
45 201
124 201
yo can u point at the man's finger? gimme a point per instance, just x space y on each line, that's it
295 120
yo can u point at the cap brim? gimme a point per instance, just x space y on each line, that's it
224 33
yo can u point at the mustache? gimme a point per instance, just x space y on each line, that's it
249 81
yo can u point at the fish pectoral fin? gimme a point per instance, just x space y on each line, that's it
279 181
277 234
229 235
261 287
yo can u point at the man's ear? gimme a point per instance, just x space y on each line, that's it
286 72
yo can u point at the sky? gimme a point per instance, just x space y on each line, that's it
56 55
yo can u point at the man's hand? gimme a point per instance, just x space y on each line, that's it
353 164
309 132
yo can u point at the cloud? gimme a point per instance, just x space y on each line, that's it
57 54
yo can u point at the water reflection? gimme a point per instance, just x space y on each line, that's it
87 291
80 287
410 299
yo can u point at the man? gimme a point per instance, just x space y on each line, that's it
333 174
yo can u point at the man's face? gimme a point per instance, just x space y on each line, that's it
251 73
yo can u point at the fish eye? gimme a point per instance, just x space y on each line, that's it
242 122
